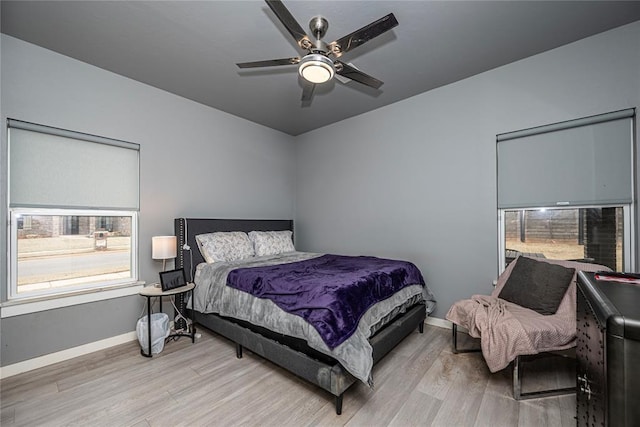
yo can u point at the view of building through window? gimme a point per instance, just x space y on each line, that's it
587 234
63 251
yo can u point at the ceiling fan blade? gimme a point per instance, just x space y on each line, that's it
269 63
307 92
363 35
357 75
290 23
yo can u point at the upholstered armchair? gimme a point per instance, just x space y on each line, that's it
532 310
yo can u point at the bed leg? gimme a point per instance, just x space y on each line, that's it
339 404
238 351
421 327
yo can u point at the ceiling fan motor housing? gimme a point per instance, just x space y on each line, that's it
318 26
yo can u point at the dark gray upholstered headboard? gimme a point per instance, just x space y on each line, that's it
186 229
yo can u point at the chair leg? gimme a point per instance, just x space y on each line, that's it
517 381
517 385
454 343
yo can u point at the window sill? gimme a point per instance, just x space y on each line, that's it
33 305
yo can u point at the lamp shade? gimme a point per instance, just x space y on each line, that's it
164 247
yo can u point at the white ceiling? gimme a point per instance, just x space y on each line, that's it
190 48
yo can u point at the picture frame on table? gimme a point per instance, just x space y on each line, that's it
172 279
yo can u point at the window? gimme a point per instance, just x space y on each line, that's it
588 234
52 257
73 211
565 191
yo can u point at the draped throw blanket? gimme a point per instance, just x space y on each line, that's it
331 292
503 336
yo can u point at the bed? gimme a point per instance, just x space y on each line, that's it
283 341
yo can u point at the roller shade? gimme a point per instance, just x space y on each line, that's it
56 168
575 163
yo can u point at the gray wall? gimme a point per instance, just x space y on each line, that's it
242 170
414 180
417 179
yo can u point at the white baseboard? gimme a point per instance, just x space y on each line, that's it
60 356
441 323
70 353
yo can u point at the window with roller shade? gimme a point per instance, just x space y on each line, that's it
566 191
73 211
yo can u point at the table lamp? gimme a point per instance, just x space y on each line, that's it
164 248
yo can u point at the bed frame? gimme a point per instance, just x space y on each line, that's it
289 353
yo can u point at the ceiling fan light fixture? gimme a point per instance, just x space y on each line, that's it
316 68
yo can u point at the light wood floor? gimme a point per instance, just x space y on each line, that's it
420 383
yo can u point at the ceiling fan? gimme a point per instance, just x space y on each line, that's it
317 65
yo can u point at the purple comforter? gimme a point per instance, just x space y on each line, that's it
331 292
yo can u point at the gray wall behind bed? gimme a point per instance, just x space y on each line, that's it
417 179
413 180
195 161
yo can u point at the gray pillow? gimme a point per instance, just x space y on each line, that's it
537 285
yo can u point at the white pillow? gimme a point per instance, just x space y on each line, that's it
271 242
225 246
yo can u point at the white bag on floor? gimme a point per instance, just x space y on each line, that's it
159 331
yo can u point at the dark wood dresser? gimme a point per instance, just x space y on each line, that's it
608 352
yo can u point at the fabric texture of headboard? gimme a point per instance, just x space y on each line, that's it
186 230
